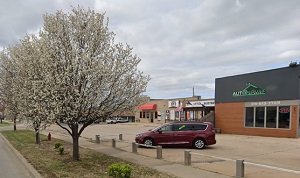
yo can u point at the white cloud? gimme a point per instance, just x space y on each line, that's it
182 45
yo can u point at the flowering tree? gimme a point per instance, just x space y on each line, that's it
90 77
9 88
72 72
23 83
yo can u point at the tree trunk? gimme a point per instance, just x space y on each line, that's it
37 137
75 137
15 123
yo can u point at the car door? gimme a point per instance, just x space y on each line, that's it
164 135
181 134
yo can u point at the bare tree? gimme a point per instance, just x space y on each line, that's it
90 77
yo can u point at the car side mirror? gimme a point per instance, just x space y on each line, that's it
159 131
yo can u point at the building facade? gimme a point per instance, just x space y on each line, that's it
262 103
178 109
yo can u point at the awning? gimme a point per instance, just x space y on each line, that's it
148 106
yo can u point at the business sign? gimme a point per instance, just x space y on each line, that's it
199 104
173 104
272 103
172 115
159 113
249 90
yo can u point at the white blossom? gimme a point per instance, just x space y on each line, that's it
73 71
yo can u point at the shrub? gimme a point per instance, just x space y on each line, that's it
119 170
57 145
61 149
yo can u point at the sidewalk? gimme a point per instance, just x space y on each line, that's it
179 170
15 165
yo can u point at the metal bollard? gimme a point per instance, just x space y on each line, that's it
113 143
159 152
239 168
134 147
97 138
120 136
187 157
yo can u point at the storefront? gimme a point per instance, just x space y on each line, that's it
195 110
262 103
148 112
179 109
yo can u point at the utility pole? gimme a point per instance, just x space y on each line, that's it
193 92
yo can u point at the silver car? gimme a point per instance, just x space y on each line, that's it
111 121
122 120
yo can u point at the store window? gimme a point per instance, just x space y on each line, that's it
284 117
268 117
249 119
271 117
259 116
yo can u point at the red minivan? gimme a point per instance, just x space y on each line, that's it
193 134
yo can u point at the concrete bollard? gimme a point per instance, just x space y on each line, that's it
113 143
187 157
159 152
120 136
239 168
97 138
49 136
134 147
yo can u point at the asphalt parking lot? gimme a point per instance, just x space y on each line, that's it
268 151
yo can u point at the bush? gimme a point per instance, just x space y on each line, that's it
119 170
57 145
61 149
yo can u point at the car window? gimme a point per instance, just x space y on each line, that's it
182 127
199 127
167 128
188 127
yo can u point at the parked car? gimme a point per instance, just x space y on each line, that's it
122 120
111 121
97 121
192 134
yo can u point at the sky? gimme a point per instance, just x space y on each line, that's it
183 45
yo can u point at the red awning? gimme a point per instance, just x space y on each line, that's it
147 106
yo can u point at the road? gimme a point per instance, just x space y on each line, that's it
10 165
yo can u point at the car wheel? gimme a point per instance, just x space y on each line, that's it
148 142
199 143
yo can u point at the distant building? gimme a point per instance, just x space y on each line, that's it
177 109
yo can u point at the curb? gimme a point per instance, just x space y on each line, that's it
33 172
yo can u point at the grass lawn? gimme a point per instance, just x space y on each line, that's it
49 163
5 124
